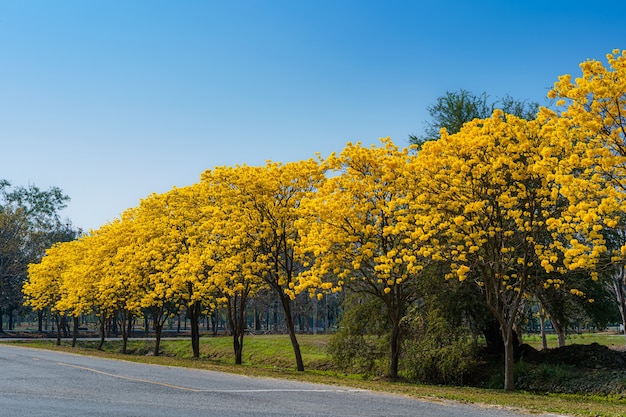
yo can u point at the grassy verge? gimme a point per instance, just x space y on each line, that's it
271 356
610 339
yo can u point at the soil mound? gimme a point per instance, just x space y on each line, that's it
593 356
573 369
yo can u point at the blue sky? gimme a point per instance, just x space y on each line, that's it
112 100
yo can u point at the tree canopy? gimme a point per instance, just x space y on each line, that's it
455 108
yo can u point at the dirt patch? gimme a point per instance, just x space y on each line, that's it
593 356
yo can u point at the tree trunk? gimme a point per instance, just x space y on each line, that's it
146 325
194 318
238 347
326 323
214 323
509 357
158 318
395 350
505 311
315 316
257 319
74 331
560 333
123 320
40 321
127 328
103 321
542 323
236 310
285 300
158 330
58 320
619 290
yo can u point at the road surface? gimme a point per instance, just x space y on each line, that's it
44 383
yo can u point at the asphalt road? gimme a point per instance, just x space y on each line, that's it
45 383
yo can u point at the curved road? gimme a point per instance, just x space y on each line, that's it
48 384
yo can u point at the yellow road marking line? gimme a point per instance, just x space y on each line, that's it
128 378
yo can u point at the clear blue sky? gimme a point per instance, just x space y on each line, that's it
112 100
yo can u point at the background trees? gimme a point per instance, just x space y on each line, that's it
29 223
455 108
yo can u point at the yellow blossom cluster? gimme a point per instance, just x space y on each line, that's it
358 227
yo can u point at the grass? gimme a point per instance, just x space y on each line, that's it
259 351
610 339
272 356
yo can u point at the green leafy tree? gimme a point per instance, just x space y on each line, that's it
29 223
361 341
452 110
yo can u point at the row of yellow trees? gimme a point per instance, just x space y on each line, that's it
509 203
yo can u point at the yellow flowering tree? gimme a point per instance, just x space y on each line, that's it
42 289
82 282
490 199
358 234
228 250
121 288
268 201
183 211
66 280
153 262
590 119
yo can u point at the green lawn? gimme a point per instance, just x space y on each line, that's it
273 351
610 339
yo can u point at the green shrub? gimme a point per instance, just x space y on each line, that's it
544 377
438 352
360 344
356 354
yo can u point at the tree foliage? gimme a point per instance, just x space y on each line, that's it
455 108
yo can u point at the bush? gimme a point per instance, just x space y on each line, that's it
360 345
356 354
439 352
